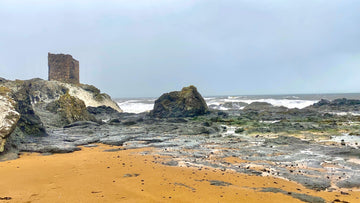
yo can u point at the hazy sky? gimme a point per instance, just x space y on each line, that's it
134 48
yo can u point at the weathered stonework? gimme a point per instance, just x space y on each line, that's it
63 68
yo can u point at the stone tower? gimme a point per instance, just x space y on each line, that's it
63 68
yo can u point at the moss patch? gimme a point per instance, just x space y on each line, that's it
4 91
70 108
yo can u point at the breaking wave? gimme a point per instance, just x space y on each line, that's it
140 105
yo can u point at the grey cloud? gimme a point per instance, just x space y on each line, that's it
143 48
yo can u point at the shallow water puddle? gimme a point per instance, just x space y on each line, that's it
351 140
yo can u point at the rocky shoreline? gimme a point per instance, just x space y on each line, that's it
314 164
261 140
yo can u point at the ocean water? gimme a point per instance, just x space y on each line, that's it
139 105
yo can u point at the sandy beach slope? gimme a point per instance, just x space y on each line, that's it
96 175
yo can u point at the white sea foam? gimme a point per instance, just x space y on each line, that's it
289 103
136 106
345 113
271 122
145 105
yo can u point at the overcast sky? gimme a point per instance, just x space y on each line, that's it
131 48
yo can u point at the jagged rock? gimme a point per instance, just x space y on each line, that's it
104 113
29 122
343 105
101 110
41 106
229 106
44 91
129 122
264 106
345 102
115 121
91 96
70 108
33 96
258 106
322 102
97 95
186 103
8 117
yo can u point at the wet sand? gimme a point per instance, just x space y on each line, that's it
94 175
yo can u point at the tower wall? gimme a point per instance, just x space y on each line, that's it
63 68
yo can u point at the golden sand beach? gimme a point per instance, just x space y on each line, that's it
95 175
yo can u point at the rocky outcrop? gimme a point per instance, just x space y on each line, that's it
105 113
70 108
256 106
39 92
264 107
29 122
185 103
91 96
8 117
35 107
343 105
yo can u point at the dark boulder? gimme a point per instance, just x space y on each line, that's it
129 122
322 102
266 110
101 110
29 122
345 102
114 121
258 106
185 103
105 113
336 105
